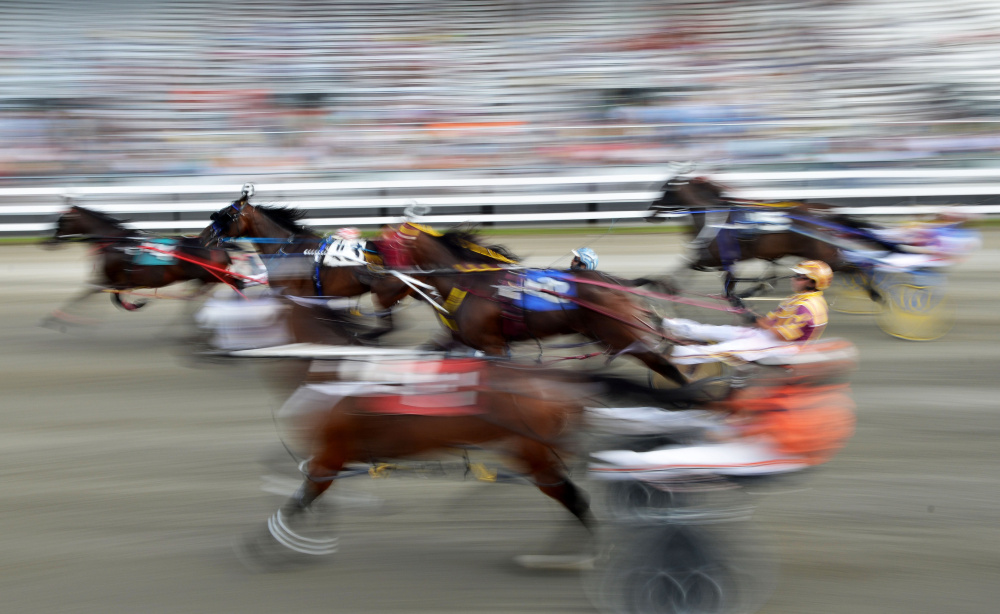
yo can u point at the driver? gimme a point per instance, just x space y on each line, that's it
584 259
800 318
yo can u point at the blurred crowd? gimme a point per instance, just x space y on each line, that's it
225 87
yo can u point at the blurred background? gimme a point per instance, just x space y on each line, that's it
115 89
128 473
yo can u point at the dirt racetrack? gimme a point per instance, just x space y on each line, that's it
128 471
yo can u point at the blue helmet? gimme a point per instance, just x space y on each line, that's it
587 259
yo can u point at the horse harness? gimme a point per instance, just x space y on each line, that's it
735 228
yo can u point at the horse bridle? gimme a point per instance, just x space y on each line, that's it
222 220
230 213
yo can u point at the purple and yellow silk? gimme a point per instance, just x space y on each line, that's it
801 317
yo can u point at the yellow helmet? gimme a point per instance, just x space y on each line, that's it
816 270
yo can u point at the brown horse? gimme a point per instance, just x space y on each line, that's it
130 259
303 263
418 406
719 243
489 305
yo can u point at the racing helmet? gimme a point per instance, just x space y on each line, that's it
348 234
587 257
816 270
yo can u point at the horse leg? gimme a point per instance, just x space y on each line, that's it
61 317
659 364
383 326
548 475
728 282
622 339
280 542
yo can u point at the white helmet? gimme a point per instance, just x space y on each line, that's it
587 258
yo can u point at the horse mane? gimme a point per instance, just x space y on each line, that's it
286 217
466 244
101 217
718 189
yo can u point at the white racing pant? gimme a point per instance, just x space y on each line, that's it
735 458
746 344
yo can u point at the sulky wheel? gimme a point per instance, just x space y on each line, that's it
851 293
916 307
674 569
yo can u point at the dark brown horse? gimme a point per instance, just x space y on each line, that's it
130 259
424 406
770 230
303 263
487 305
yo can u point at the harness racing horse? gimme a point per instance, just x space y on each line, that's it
487 304
131 260
726 231
382 410
303 263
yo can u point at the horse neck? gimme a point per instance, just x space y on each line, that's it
429 253
103 228
261 227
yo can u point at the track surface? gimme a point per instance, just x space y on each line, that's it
128 471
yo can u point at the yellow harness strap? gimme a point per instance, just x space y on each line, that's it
451 305
476 268
485 251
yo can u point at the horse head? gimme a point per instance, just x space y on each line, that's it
681 195
67 227
228 222
79 222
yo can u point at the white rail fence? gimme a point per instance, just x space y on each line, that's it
507 200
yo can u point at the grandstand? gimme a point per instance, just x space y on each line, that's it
311 87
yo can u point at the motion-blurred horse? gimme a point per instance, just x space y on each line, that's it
303 263
486 304
130 260
726 231
398 409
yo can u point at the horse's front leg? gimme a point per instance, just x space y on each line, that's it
62 317
570 549
284 540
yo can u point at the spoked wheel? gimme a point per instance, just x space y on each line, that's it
675 569
851 293
916 308
126 301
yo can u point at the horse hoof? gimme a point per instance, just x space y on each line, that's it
61 321
562 562
261 552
